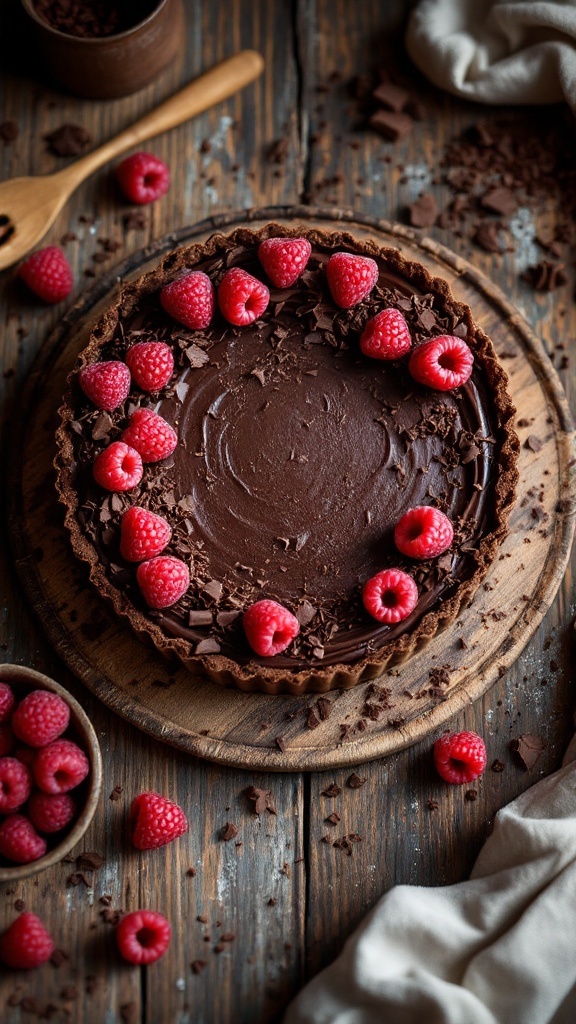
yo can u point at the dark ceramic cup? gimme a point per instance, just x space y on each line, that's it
111 66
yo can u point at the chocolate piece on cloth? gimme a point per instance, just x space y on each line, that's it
495 51
497 949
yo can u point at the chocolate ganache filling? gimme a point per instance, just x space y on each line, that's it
297 456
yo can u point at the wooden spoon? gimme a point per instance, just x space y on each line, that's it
28 206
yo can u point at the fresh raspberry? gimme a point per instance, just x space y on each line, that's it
423 532
143 534
47 274
151 364
150 435
143 178
7 701
40 718
15 784
156 821
386 336
460 757
6 739
190 300
350 278
60 767
442 363
269 627
163 581
26 943
106 384
51 812
284 259
241 297
143 936
19 840
118 467
390 595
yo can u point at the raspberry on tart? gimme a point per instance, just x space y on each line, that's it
151 436
269 628
143 534
442 363
163 580
106 384
390 595
118 467
190 299
242 298
386 336
151 364
284 259
351 278
423 532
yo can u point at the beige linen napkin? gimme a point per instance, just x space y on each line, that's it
497 51
498 949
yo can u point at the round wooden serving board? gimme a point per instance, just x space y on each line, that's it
241 729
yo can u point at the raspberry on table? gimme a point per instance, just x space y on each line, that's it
143 534
151 364
190 300
60 767
284 259
106 384
156 821
163 580
6 739
386 336
19 841
423 532
350 278
15 784
26 943
118 468
442 363
40 717
242 298
460 757
150 435
269 627
390 596
48 274
143 936
143 178
51 812
7 701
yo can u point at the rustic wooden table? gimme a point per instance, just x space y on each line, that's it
289 899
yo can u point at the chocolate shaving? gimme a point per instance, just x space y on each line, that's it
354 781
331 790
262 799
527 749
228 832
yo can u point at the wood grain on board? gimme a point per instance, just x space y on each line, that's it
309 45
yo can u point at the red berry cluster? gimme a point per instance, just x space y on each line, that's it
39 769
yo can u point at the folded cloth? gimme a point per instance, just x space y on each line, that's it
498 949
497 51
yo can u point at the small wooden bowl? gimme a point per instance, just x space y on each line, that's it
23 680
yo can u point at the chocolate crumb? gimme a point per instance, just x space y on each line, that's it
90 861
58 957
332 790
19 905
528 749
219 947
68 140
533 443
423 212
471 794
497 766
272 902
333 818
432 805
198 966
280 743
116 793
9 131
355 781
229 831
130 1013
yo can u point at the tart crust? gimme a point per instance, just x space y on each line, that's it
315 677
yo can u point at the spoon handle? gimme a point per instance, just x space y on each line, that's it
222 81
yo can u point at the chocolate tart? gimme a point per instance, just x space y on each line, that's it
296 457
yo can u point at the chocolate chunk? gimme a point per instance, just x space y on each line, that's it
68 140
500 200
226 618
228 937
280 743
471 794
305 613
198 966
213 589
196 356
312 721
135 220
354 781
228 832
90 861
333 818
207 646
324 707
497 766
202 918
199 617
432 805
546 276
487 236
332 790
533 443
391 96
262 799
528 749
424 211
391 125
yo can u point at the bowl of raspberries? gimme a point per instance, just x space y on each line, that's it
50 772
